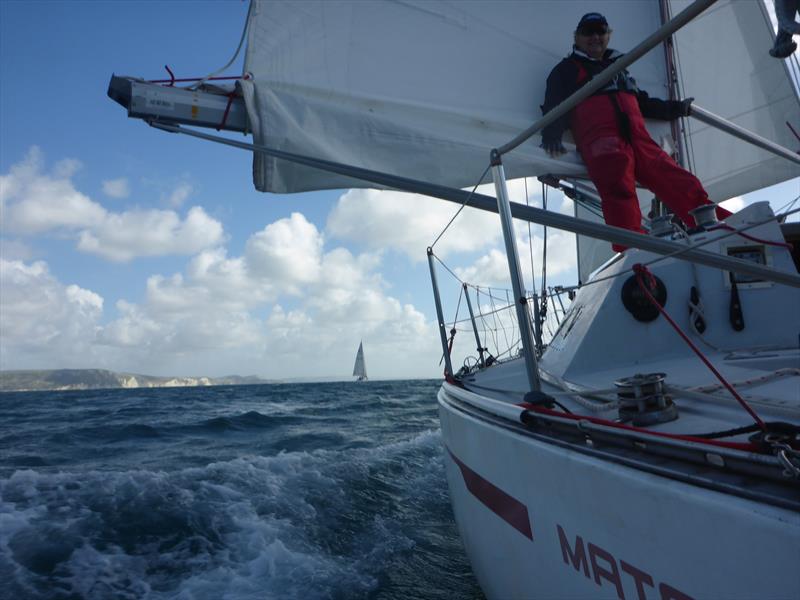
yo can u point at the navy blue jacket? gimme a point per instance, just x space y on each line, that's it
577 69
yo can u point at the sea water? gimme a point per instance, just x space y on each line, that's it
325 490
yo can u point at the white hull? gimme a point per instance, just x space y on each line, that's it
599 529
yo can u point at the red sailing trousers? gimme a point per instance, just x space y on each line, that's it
615 165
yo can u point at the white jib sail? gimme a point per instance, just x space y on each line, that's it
723 61
418 88
360 367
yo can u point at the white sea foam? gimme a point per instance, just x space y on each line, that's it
252 527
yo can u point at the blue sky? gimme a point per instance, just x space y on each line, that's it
127 248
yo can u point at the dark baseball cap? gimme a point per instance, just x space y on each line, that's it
592 20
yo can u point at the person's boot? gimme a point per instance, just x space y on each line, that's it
784 45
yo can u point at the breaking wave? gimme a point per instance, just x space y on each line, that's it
235 502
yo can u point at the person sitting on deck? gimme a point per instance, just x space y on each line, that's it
610 133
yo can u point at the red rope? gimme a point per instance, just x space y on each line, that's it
752 238
789 125
173 80
231 96
747 447
642 272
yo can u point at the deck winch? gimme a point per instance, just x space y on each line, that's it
642 400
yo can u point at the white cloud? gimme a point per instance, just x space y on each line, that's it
409 223
292 303
179 195
339 298
288 251
66 168
44 322
489 270
36 202
127 235
116 188
14 249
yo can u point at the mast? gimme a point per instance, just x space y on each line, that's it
678 134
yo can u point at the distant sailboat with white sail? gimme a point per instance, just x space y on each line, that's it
360 367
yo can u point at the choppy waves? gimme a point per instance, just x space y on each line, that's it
273 498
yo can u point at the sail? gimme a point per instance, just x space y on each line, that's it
417 88
360 367
723 62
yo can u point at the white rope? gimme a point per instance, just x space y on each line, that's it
744 383
235 55
582 396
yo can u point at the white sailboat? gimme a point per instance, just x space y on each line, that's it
609 461
360 367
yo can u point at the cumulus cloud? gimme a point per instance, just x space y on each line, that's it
116 188
491 269
37 202
13 249
43 321
284 308
179 195
289 250
127 235
409 223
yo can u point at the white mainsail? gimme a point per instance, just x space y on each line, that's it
360 367
426 88
423 89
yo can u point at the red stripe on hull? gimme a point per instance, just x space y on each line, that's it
508 508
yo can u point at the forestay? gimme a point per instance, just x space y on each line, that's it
419 88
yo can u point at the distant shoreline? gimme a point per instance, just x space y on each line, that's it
97 379
57 380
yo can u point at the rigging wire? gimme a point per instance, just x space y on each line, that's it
486 329
543 311
530 241
494 318
463 204
453 329
688 142
508 302
484 314
786 207
457 278
235 55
